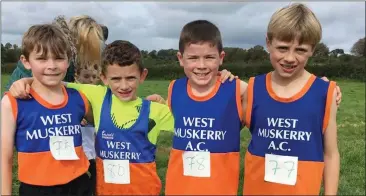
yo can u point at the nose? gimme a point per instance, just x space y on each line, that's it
201 64
290 57
123 85
51 64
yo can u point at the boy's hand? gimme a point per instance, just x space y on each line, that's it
156 98
225 74
84 122
21 88
338 90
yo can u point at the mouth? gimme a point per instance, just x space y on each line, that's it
124 93
51 74
201 74
288 68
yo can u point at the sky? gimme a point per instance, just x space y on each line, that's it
157 25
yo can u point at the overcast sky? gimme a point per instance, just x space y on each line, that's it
157 25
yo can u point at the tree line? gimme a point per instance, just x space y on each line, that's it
238 59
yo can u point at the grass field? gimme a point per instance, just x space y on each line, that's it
351 136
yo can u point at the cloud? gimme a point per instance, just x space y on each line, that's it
157 25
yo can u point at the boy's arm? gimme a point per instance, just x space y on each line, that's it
89 112
331 153
166 119
7 143
339 93
161 120
157 98
244 99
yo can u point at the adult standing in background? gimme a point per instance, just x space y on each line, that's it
87 40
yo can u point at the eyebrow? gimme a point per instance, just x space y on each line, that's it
193 55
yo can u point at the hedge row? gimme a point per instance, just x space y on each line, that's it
169 72
330 71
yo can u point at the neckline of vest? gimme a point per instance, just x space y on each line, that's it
47 104
296 96
143 110
207 97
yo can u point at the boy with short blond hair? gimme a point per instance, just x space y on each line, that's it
291 114
45 129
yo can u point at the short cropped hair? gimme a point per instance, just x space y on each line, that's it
46 38
295 21
200 31
123 53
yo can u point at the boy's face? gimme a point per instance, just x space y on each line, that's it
88 76
124 80
48 69
201 62
288 58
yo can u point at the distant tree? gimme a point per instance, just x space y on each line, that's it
153 54
257 53
321 50
144 53
15 47
337 52
8 46
345 58
358 48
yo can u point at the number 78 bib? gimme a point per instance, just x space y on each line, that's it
280 169
196 164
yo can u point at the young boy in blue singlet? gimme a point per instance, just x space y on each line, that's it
45 129
291 114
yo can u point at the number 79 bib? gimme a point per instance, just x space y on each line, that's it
280 169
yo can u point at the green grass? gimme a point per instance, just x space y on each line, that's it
351 137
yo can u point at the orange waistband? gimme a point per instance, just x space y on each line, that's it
223 180
43 170
309 177
143 180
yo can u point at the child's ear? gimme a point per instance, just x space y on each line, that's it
143 75
25 62
104 79
222 56
268 43
180 58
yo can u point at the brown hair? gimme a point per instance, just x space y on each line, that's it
295 21
46 38
123 53
200 31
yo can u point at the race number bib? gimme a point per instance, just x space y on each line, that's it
62 148
281 169
116 171
197 164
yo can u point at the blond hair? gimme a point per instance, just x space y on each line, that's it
47 38
295 21
88 36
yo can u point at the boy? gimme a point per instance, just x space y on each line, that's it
46 128
208 114
293 146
